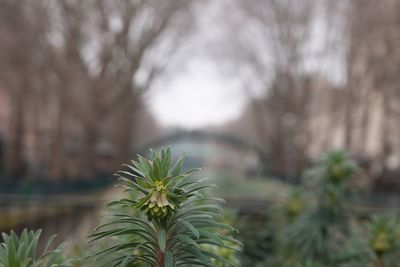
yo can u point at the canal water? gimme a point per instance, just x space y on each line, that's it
73 217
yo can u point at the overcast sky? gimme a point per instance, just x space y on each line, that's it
196 93
197 96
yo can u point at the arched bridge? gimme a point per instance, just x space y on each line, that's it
201 136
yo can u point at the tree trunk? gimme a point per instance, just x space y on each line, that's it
386 148
15 162
125 139
89 159
348 118
364 132
57 151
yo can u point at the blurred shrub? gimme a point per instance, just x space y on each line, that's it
384 240
319 234
315 226
22 251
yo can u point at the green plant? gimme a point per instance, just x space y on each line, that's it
285 213
294 206
22 251
384 240
377 245
178 222
319 234
230 256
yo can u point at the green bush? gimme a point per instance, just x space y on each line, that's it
384 240
22 251
319 234
313 225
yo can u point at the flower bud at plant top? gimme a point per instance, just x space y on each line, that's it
295 205
162 198
380 243
383 237
157 204
161 202
340 168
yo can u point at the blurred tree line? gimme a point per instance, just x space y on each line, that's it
75 73
319 75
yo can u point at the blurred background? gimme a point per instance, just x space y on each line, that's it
252 90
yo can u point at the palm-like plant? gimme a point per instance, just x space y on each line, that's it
384 240
179 225
22 251
320 233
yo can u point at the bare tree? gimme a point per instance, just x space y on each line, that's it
271 45
75 69
372 63
21 29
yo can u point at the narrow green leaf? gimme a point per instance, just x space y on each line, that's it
161 240
169 262
191 228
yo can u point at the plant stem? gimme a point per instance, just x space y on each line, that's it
381 263
160 255
160 259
